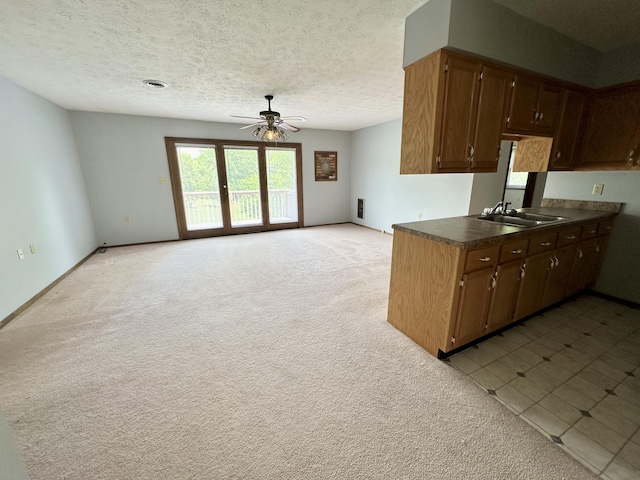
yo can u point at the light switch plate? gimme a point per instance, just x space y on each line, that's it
20 254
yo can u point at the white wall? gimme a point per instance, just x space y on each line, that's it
124 156
621 65
393 198
620 274
490 30
43 199
426 30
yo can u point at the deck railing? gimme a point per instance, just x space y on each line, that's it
203 209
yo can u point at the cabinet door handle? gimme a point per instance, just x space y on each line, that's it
493 281
558 154
484 259
545 244
552 263
522 271
516 252
535 117
580 253
540 117
597 248
556 260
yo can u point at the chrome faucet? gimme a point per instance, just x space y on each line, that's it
501 207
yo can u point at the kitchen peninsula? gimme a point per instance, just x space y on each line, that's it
455 280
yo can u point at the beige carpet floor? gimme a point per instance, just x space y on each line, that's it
264 356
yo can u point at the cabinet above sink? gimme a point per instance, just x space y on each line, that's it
457 109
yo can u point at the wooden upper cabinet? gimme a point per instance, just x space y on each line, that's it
422 114
462 84
564 154
454 111
494 83
534 107
549 104
612 134
523 105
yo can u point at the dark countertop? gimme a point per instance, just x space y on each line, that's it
469 232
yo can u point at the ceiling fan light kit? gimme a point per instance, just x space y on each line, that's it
270 126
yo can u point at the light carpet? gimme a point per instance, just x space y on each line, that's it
263 356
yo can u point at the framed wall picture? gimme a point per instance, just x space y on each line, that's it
326 166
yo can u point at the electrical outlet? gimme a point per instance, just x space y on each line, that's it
597 189
163 180
127 218
419 216
20 254
32 247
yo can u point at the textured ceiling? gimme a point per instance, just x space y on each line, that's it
336 62
601 24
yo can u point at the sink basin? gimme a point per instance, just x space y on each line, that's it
511 221
521 219
537 217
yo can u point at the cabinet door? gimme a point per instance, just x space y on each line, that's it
595 262
505 295
490 119
459 113
558 275
548 111
423 91
612 132
524 102
533 283
580 267
565 145
473 306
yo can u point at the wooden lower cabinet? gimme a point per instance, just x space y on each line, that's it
534 281
473 305
505 295
443 297
558 275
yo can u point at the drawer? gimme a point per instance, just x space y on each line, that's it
589 231
482 258
542 243
513 250
567 237
605 227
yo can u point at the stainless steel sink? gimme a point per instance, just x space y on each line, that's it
521 219
536 216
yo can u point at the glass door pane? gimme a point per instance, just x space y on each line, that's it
281 182
243 182
200 187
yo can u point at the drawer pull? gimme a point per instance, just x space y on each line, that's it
545 244
484 259
571 237
516 252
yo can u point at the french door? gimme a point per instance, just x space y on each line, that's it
225 187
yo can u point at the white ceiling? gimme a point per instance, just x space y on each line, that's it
336 62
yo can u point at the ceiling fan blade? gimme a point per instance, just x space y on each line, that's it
293 119
286 126
253 125
250 118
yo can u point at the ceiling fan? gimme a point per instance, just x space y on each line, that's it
271 126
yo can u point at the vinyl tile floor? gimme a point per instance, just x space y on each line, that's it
573 373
